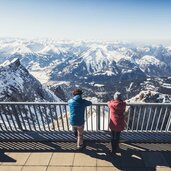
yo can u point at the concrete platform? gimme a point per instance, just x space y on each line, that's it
55 156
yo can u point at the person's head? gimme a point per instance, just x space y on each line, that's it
77 92
117 96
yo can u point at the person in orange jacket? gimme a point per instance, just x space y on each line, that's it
117 108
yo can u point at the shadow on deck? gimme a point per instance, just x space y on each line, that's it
92 136
131 156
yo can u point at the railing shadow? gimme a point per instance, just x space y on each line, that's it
38 146
130 155
68 136
5 158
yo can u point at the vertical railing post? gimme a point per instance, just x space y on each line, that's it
144 117
98 117
127 123
17 117
86 118
91 117
168 123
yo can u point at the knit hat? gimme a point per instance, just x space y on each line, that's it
117 96
77 92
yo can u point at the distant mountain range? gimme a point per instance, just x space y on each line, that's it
100 68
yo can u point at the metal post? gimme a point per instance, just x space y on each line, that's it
17 117
91 116
98 117
86 118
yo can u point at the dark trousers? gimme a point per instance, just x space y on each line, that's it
115 136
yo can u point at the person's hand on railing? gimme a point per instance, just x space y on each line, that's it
126 113
108 103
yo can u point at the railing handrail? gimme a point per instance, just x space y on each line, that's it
36 103
45 116
99 103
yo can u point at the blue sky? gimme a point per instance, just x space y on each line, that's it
137 20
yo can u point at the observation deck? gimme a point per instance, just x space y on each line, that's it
37 136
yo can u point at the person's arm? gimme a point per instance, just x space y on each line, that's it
69 101
119 110
116 111
124 106
87 103
109 104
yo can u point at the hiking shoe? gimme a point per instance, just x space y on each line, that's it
81 147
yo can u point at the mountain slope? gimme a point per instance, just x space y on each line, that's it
16 84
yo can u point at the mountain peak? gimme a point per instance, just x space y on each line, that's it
13 63
17 84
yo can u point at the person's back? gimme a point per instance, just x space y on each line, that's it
77 107
117 108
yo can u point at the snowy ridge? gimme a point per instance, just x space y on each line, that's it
147 59
16 84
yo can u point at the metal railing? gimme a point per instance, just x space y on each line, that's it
54 116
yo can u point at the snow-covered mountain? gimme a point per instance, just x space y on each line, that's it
93 58
64 65
16 84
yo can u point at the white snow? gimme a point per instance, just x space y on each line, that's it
11 78
147 59
166 85
8 62
128 89
41 76
50 49
99 85
109 73
126 71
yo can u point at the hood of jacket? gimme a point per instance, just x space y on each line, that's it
77 98
117 102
